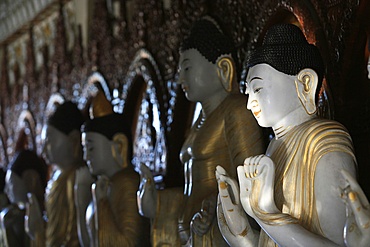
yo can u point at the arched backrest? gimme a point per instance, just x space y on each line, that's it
143 102
95 82
26 131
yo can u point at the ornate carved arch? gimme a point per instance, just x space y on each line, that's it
143 101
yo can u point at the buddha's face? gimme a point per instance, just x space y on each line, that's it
15 188
198 77
97 150
57 145
272 94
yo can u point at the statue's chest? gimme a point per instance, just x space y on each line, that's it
204 140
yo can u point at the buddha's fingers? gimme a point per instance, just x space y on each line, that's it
224 194
356 187
361 214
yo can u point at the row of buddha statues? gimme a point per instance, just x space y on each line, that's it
300 191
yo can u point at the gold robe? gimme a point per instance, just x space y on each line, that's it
61 228
119 223
296 160
228 136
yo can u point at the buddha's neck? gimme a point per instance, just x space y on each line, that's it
285 125
210 104
111 170
70 163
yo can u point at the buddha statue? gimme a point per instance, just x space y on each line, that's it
291 190
112 217
26 173
224 133
62 149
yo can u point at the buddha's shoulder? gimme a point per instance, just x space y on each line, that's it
235 106
126 174
235 101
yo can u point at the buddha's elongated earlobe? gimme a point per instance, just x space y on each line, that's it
120 149
306 84
226 72
75 138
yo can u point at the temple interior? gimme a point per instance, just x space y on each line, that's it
67 50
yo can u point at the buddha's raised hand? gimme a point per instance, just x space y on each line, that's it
101 188
33 221
256 178
357 228
232 220
147 193
202 220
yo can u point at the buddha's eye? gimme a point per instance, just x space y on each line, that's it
257 90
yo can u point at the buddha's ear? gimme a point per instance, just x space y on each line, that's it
75 138
306 85
225 70
120 149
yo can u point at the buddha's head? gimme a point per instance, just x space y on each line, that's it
62 135
206 64
106 138
284 74
26 173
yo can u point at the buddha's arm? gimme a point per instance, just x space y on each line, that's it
34 223
83 197
147 193
39 240
330 209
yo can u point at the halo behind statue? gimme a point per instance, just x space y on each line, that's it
95 83
26 131
54 100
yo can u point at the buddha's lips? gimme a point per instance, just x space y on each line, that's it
256 113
